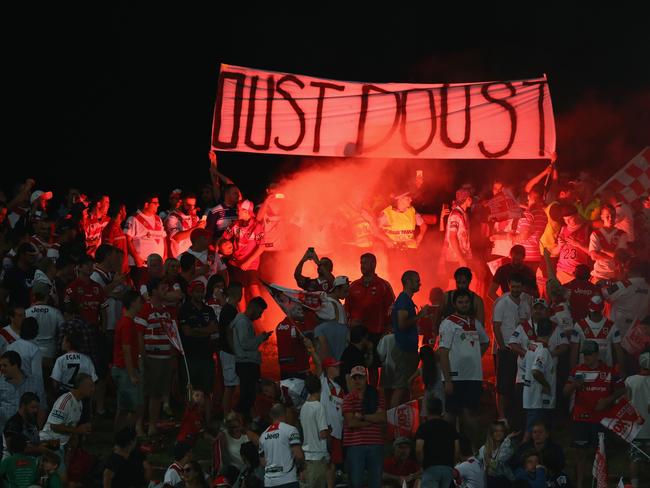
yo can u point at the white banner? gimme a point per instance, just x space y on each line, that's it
270 112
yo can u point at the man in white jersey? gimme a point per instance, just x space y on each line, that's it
145 233
70 364
463 342
539 378
598 328
603 243
280 451
49 319
509 310
180 223
65 414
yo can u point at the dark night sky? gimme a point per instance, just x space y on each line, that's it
121 100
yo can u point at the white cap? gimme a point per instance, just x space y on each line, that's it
340 280
47 195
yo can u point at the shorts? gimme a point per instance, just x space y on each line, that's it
405 364
157 377
316 472
534 415
466 395
506 371
335 448
585 434
230 377
201 373
635 455
129 396
247 277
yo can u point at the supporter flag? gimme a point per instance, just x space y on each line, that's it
632 181
503 206
599 471
404 419
171 329
636 340
288 298
623 419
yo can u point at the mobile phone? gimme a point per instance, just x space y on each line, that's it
310 249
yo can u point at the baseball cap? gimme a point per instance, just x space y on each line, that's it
358 371
596 304
401 440
247 205
330 361
644 360
198 233
46 195
589 347
340 280
540 301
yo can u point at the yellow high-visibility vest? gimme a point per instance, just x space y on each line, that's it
401 226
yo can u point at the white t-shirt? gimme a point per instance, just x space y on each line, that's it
603 333
463 338
471 474
49 319
148 235
69 365
510 314
313 421
331 396
178 222
610 240
30 356
561 315
638 387
538 358
630 300
275 446
65 411
112 305
213 259
172 475
332 309
523 337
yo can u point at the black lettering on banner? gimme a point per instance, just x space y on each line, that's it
299 112
364 114
270 89
240 79
322 86
444 113
402 127
485 91
540 113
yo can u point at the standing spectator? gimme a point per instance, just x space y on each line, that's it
65 415
594 387
457 250
315 431
509 310
219 218
581 291
13 384
494 455
17 280
355 354
369 303
93 223
431 376
463 342
153 321
180 223
401 467
69 365
399 222
469 472
572 245
86 293
226 354
463 278
145 233
208 262
515 266
281 453
364 413
113 235
436 442
198 322
292 355
325 277
405 352
74 325
540 378
531 227
603 244
30 355
638 393
598 328
332 332
175 201
49 320
126 372
246 350
11 332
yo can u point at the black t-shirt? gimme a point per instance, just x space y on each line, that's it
350 358
17 424
226 316
196 318
18 283
439 437
503 274
126 472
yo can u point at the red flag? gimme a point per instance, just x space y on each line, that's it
623 419
503 206
171 329
599 471
404 419
288 298
632 180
